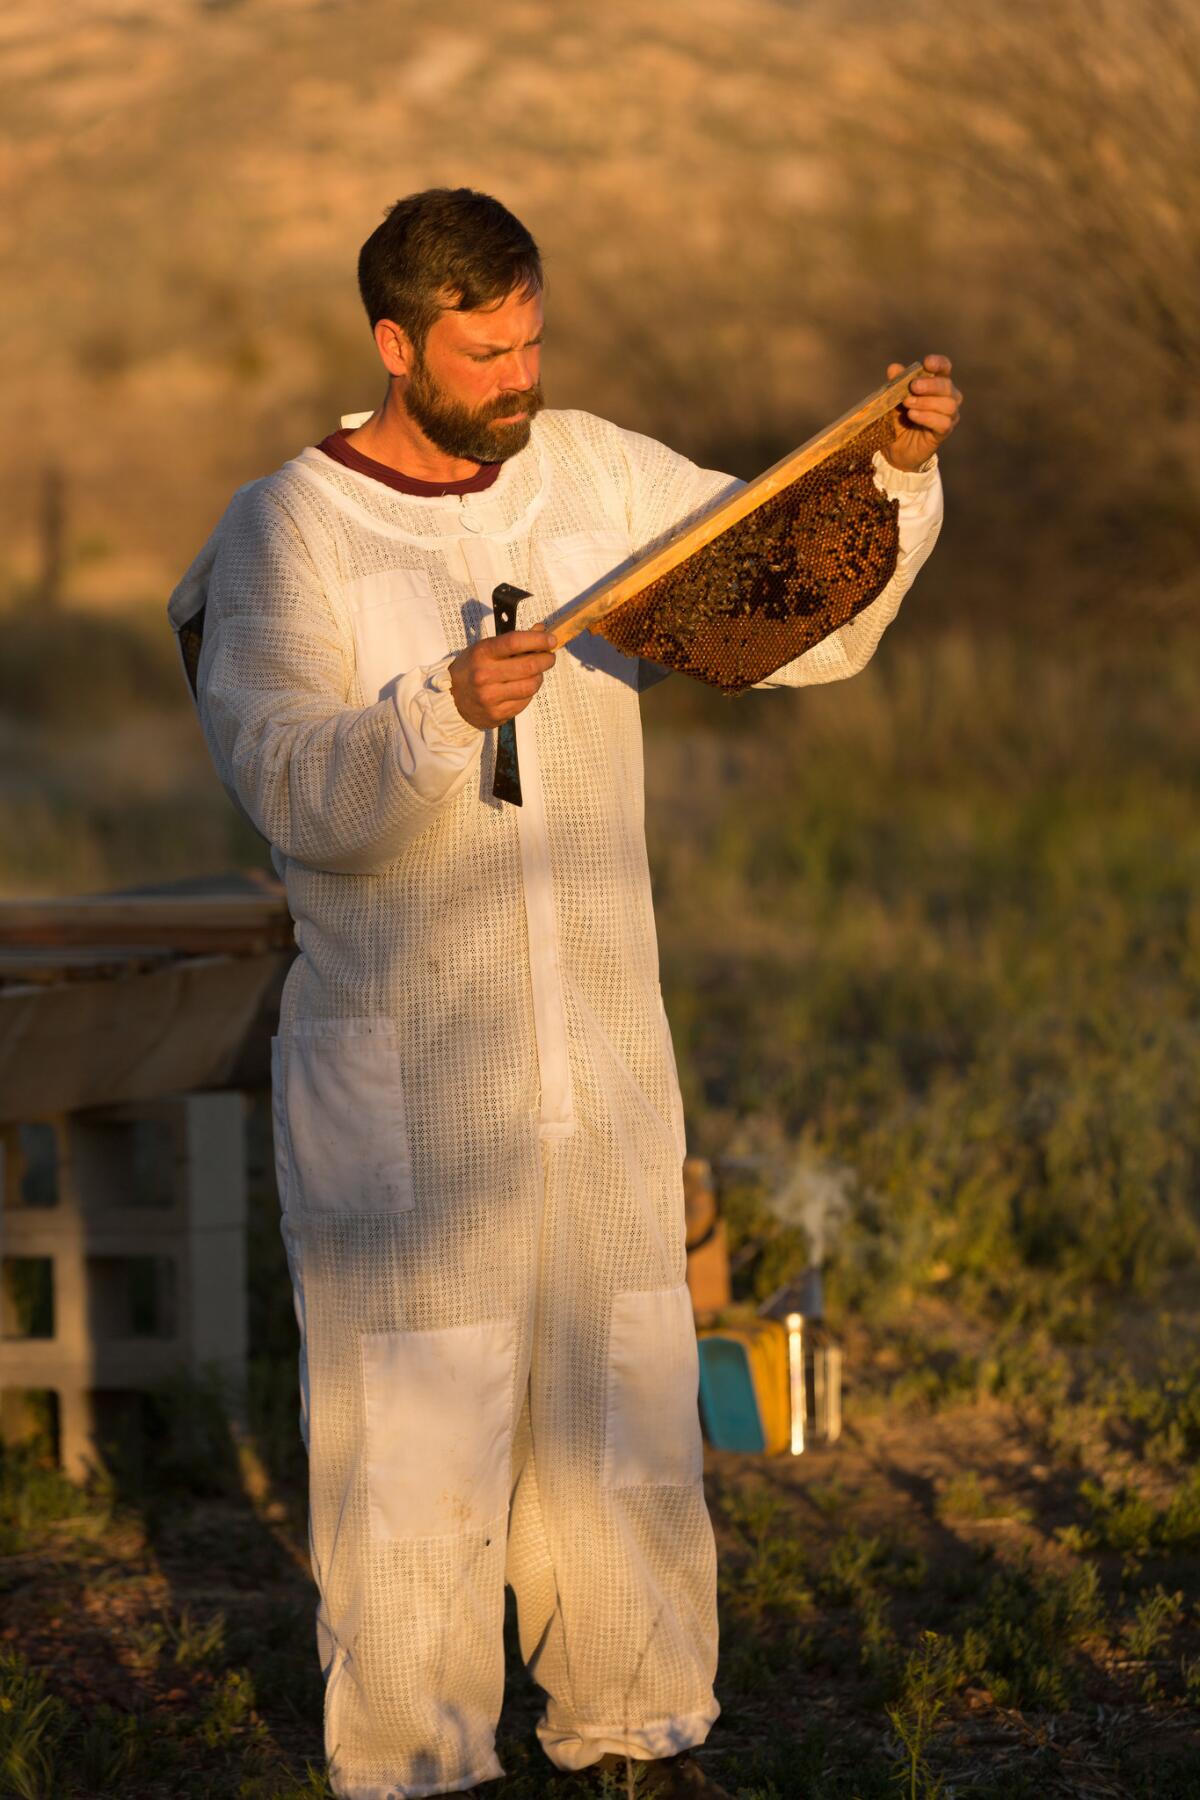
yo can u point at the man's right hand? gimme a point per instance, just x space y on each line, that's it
496 678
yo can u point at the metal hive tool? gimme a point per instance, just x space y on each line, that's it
767 573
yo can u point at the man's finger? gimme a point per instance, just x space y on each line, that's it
519 694
505 670
938 423
509 707
938 403
518 643
495 695
937 365
500 693
932 409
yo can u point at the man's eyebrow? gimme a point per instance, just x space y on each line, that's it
502 349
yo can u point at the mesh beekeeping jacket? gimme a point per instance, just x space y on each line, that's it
478 1119
774 582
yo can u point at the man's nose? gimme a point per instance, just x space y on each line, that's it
521 370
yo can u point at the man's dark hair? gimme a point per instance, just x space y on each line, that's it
444 250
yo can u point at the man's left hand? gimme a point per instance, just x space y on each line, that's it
927 417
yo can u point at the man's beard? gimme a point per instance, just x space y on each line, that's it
463 431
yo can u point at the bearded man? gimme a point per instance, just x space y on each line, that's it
478 1125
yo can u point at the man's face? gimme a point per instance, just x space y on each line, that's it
476 387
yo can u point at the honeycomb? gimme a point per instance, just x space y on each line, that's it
776 581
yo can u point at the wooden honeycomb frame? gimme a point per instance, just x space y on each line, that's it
764 575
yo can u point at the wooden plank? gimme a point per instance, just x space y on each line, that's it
580 614
38 966
195 923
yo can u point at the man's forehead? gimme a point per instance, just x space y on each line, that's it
502 324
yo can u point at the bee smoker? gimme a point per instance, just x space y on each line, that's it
814 1361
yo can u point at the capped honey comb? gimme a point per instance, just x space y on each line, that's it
776 581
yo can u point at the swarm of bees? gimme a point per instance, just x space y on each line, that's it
776 581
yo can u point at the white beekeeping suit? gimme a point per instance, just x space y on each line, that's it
478 1122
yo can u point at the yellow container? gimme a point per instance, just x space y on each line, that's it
745 1394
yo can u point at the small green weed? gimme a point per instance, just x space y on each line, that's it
148 1642
931 1674
829 1497
963 1497
31 1729
859 1563
197 1644
110 1748
1156 1616
33 1494
229 1710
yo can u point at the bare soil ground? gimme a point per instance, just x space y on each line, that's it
117 1609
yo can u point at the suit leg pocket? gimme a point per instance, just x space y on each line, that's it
439 1416
652 1435
342 1117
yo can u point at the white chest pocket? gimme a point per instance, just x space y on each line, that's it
397 627
581 561
575 565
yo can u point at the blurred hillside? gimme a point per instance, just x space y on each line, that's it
747 209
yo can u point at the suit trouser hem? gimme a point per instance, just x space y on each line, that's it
584 1745
399 1790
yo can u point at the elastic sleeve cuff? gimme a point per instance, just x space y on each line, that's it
445 723
896 482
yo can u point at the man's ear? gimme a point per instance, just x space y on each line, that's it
395 348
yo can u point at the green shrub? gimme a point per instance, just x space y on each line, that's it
767 1575
1022 1635
1123 1518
